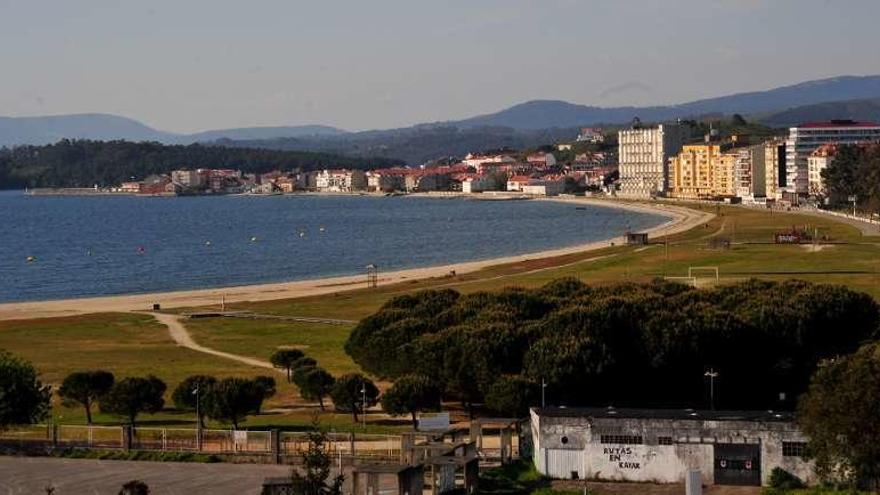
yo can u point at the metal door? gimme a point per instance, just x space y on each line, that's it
737 464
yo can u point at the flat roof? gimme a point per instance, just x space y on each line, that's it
671 414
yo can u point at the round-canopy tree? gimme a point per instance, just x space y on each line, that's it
512 395
132 396
190 394
412 394
352 392
85 388
284 358
232 399
23 398
840 414
314 383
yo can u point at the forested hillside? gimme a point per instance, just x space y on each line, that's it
625 345
84 163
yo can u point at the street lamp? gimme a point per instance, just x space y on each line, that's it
364 404
711 375
543 393
198 420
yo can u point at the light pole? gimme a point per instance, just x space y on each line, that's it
543 393
711 375
364 404
198 420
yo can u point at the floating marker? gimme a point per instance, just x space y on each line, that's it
254 239
141 250
31 259
322 229
207 243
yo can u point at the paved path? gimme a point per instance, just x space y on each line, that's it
182 337
31 475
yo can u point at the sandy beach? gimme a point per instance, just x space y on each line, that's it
680 220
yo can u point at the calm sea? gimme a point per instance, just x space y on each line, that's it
86 246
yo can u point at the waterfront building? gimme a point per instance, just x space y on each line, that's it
474 183
806 138
341 181
516 182
702 171
476 160
190 179
644 445
387 180
643 154
547 186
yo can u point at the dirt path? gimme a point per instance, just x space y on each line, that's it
182 337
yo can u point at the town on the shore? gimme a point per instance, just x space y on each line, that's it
668 160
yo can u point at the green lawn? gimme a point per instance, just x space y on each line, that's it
136 345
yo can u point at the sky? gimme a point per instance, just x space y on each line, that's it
191 65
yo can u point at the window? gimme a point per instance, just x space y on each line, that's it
621 439
664 440
793 449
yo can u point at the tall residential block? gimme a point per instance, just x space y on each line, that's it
702 171
806 138
643 154
774 168
751 176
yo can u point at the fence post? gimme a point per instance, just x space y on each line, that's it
351 443
275 444
164 439
54 435
127 440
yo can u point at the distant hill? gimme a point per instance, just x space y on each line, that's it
542 114
97 126
263 133
105 127
864 109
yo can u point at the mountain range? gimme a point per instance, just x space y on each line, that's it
839 97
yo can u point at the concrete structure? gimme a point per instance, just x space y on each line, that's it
476 160
341 181
702 171
816 163
517 182
387 180
750 176
591 135
643 154
774 168
544 187
542 160
806 138
738 448
477 183
190 179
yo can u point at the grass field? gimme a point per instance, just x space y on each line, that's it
136 345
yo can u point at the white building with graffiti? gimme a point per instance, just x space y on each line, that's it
728 448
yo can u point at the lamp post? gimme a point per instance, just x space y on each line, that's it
198 420
364 404
543 393
711 375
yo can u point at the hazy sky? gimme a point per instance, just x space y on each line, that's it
187 65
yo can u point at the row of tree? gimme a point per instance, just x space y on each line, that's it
229 400
83 163
855 171
353 392
627 345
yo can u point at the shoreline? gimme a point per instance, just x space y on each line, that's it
679 219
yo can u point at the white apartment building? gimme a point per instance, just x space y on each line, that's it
643 154
341 181
806 138
750 174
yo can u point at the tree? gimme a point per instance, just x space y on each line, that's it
132 396
304 362
840 414
232 399
190 395
284 359
135 487
412 394
352 392
85 388
316 466
512 395
23 397
314 383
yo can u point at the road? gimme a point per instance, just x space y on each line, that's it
31 475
